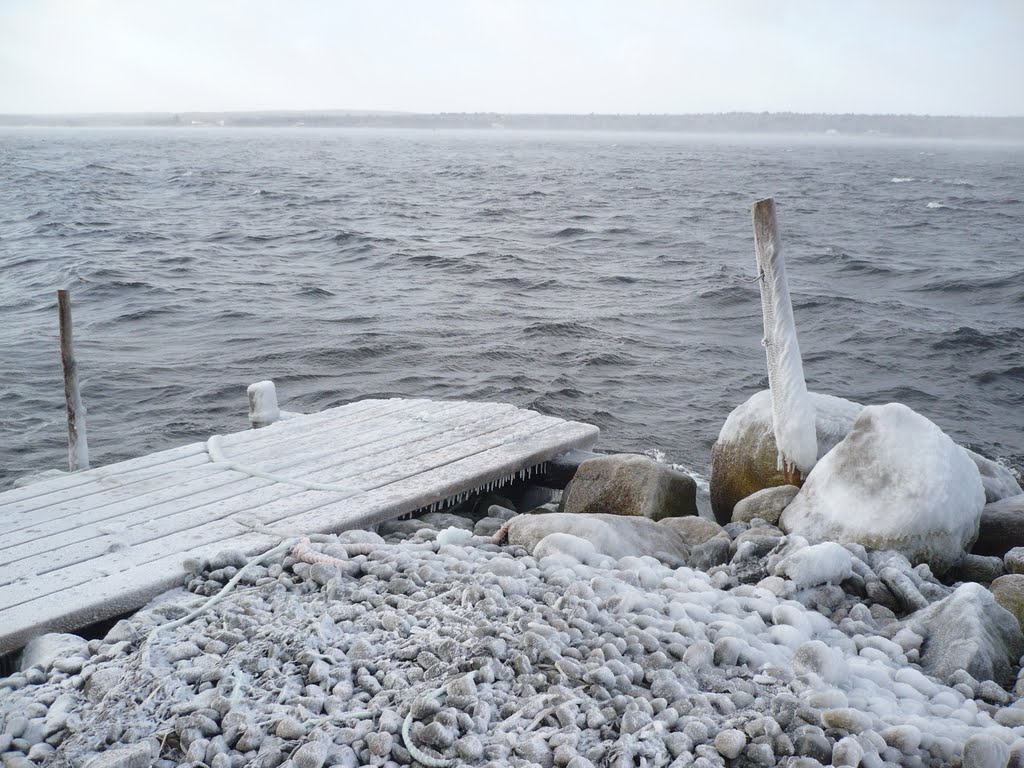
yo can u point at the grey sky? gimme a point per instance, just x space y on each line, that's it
877 56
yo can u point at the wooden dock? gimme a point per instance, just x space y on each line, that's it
96 544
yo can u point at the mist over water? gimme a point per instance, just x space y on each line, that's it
598 277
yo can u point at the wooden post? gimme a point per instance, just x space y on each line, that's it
793 414
263 408
78 446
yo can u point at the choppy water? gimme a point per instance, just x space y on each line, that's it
598 277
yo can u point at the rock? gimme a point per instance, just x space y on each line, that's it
730 743
825 563
982 750
694 530
968 630
744 460
766 504
999 482
138 755
896 482
1009 592
1001 527
44 650
610 535
1013 561
715 551
979 568
630 485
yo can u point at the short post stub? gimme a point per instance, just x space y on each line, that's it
78 446
263 409
793 413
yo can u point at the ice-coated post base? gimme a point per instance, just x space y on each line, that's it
263 408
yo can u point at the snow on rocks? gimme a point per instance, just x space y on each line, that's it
424 649
610 535
896 482
745 458
630 484
969 631
766 504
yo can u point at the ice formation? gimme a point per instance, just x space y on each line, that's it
895 482
792 409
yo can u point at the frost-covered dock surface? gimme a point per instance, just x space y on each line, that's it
96 544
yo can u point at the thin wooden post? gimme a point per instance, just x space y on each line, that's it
263 408
793 414
78 446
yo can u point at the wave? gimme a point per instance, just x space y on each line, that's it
901 179
936 205
564 329
571 232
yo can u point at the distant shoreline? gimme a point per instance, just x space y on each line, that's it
770 123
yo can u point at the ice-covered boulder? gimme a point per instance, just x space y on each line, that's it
766 504
745 457
1001 527
999 482
632 485
896 482
968 630
610 535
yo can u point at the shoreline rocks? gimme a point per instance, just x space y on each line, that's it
778 656
896 482
630 485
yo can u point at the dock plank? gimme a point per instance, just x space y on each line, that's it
96 544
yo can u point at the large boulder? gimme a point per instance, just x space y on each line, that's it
968 630
896 482
745 458
1001 527
631 485
611 535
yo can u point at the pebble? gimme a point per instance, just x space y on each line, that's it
730 743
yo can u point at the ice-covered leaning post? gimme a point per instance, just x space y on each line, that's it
263 408
78 447
793 413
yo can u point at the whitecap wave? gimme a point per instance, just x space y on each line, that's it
901 179
935 204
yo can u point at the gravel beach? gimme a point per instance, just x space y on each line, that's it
431 645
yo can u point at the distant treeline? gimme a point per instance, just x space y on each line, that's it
950 127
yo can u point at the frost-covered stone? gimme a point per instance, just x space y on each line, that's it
999 482
694 530
1013 560
968 630
825 563
632 485
1001 527
984 751
1008 591
44 650
610 535
981 568
730 743
745 457
896 482
766 504
138 755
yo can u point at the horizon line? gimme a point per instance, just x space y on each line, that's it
406 113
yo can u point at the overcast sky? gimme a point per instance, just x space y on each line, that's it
679 56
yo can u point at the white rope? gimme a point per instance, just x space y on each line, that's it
216 451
